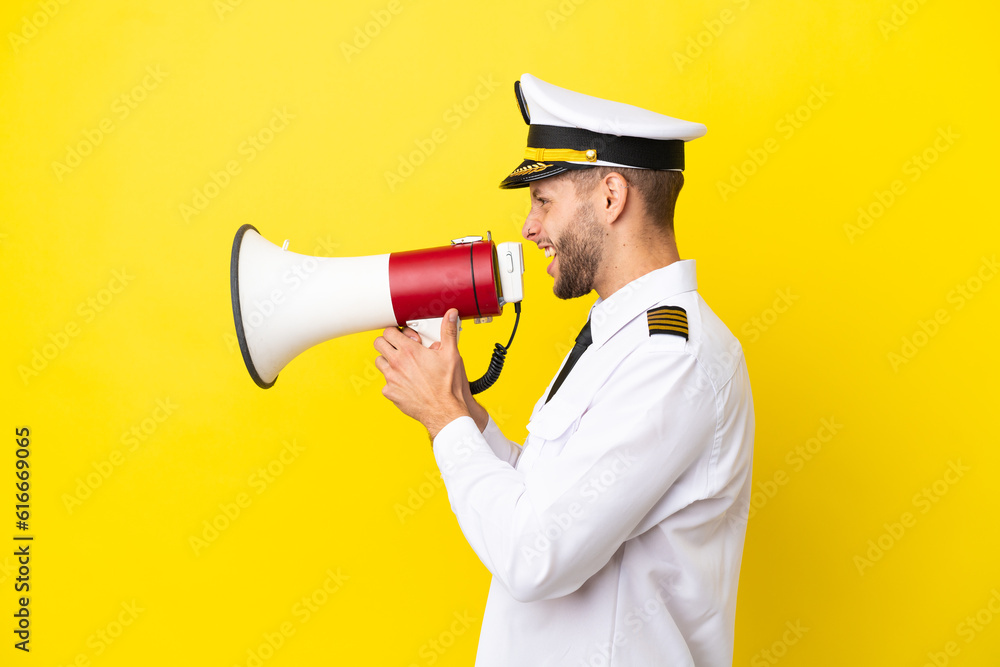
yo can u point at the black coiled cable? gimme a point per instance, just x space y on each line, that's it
492 373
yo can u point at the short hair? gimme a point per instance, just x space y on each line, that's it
658 189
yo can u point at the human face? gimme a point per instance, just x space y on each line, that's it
566 228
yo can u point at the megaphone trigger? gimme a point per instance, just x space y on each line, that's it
430 329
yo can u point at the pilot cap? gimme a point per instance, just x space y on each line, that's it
569 130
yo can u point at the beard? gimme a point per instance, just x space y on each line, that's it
579 251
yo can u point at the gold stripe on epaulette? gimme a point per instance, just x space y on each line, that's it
670 320
662 328
667 318
669 325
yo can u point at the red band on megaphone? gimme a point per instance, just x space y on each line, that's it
427 283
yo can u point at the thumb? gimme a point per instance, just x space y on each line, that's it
449 329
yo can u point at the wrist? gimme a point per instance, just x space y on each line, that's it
443 416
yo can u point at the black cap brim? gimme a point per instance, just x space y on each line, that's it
532 170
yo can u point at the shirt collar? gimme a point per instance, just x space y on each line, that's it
608 316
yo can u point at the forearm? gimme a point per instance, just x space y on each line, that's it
477 412
505 450
505 521
544 529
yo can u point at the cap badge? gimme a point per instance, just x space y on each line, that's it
530 169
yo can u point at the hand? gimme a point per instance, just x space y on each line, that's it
427 384
477 411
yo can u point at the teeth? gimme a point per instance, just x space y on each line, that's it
550 251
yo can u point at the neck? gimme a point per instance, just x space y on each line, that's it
633 257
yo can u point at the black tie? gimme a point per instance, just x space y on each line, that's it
583 341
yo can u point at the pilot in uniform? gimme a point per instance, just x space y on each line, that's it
615 532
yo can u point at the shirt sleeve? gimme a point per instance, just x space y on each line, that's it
544 533
506 450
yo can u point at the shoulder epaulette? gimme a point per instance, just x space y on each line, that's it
671 320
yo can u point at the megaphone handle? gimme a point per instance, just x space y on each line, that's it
430 329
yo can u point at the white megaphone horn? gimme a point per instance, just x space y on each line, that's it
284 303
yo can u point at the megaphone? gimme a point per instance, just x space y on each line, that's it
284 302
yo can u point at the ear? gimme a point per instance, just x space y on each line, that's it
614 194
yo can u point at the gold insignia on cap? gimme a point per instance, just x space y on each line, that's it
671 320
529 169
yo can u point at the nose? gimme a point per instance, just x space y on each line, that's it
531 227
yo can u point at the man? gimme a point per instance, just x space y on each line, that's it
615 534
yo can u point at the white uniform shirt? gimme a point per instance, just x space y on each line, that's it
615 534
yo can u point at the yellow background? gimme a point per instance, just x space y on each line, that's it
819 307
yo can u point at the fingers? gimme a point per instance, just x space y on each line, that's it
392 339
411 334
385 367
449 329
394 346
384 347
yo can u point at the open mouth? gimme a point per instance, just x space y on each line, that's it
549 251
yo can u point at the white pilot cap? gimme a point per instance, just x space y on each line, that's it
570 130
